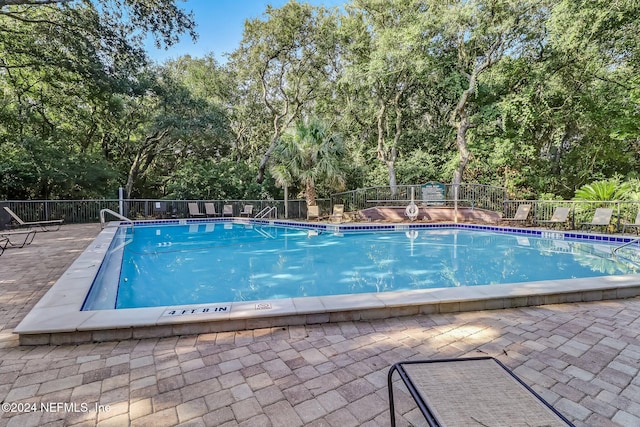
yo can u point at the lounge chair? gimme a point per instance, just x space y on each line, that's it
471 391
227 210
635 224
560 216
18 238
601 218
3 244
521 214
247 211
194 211
337 214
44 225
210 209
313 212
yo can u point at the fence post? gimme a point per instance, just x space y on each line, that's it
121 200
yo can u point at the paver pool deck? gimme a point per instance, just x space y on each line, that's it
583 358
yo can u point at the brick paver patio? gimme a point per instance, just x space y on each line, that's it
583 358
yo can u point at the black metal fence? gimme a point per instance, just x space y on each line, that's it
87 211
469 195
432 193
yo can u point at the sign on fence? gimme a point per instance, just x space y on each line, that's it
433 193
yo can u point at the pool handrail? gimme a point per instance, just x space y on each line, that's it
116 214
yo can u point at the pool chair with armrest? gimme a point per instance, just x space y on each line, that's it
18 238
560 216
635 224
247 211
601 218
313 212
337 214
210 209
227 210
44 225
194 211
521 214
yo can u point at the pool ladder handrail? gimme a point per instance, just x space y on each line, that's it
267 211
116 214
630 242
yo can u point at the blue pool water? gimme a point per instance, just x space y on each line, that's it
224 262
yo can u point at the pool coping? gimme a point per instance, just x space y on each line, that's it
57 318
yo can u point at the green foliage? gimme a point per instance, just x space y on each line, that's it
541 98
604 191
217 180
309 154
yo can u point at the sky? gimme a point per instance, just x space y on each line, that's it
220 24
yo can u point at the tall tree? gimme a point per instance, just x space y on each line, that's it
288 58
482 32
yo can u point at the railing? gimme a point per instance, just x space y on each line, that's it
88 211
116 214
581 211
469 195
267 212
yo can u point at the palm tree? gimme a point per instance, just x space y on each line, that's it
606 190
308 153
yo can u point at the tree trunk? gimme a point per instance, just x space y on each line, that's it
388 158
310 192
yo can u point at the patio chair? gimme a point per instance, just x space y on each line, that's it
601 218
194 211
18 238
247 211
560 216
472 391
3 244
227 210
313 212
337 214
635 224
44 225
210 209
521 214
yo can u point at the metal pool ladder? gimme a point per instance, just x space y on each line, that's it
630 242
267 212
116 214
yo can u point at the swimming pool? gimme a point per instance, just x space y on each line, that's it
203 263
58 317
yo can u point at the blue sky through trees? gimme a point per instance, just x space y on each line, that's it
220 24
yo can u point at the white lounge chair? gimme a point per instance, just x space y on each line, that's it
194 211
313 212
635 224
521 214
337 214
247 211
3 244
560 216
227 210
601 218
18 238
44 225
210 209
